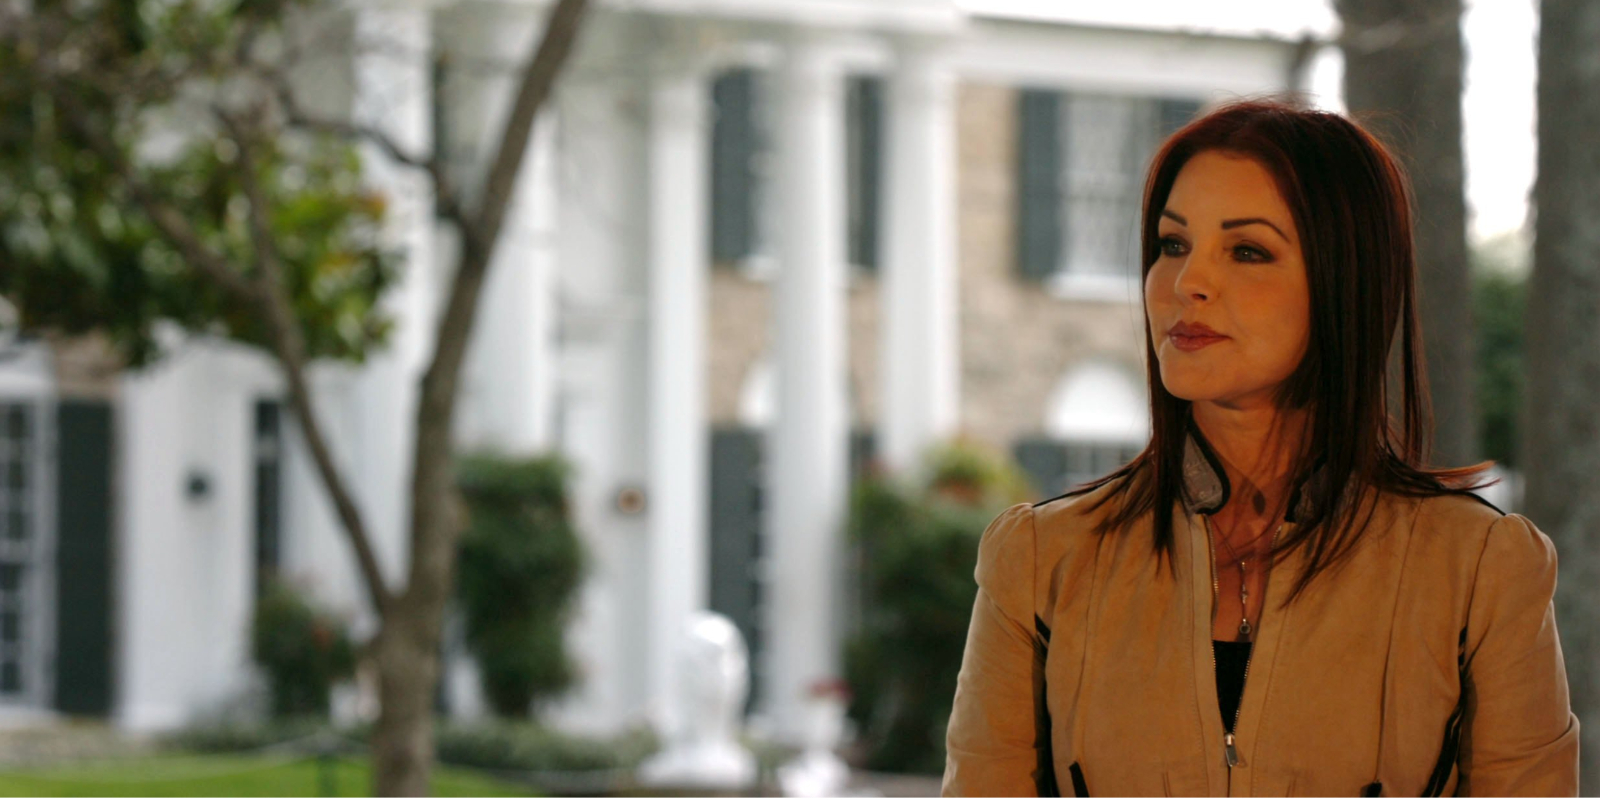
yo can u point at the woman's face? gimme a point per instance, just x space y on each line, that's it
1227 298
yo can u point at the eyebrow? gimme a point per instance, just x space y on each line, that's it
1227 223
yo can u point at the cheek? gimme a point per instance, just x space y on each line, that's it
1291 334
1157 292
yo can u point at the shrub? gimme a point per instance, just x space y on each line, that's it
526 746
303 651
504 746
520 565
918 547
232 737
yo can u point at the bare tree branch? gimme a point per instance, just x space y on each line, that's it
537 79
447 198
288 342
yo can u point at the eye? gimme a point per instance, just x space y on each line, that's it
1170 245
1247 252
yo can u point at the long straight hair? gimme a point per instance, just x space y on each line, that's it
1350 201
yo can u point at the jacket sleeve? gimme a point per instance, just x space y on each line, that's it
1519 735
998 741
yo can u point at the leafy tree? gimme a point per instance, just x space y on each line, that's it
156 165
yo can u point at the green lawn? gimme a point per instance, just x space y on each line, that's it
226 776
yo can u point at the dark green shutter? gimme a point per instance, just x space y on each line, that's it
1040 157
736 540
866 156
268 455
734 144
83 558
1045 462
1176 113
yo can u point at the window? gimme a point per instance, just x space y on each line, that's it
1095 422
1082 158
20 582
743 214
1055 466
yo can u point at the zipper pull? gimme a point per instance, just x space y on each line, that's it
1229 751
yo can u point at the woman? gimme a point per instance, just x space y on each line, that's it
1276 597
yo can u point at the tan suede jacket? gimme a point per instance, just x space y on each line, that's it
1428 665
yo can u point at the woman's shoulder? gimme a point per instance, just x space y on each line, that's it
1079 511
1072 525
1038 531
1479 535
1028 547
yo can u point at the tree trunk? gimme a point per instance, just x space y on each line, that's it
1561 444
1403 80
406 652
407 647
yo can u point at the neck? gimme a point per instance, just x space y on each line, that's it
1258 448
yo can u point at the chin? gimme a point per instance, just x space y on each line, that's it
1186 387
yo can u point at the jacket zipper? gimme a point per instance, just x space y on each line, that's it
1229 751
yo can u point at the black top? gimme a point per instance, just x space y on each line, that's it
1231 660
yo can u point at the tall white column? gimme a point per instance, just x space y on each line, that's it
392 86
919 344
508 385
808 446
677 300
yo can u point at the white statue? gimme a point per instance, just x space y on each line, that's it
818 771
713 678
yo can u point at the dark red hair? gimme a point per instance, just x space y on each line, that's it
1350 201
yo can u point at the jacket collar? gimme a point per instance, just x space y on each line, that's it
1206 489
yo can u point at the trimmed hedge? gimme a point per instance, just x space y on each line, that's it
520 566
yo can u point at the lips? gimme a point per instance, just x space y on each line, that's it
1192 336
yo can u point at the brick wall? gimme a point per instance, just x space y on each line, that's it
1017 340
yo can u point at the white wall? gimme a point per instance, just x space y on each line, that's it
184 564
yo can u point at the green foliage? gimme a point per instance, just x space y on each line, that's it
86 141
520 565
918 550
233 737
510 745
966 470
1499 298
303 651
501 745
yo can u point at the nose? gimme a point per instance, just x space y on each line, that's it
1196 281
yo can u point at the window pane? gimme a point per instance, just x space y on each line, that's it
17 422
1108 142
10 627
10 677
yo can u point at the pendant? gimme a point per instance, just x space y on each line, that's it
1244 627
